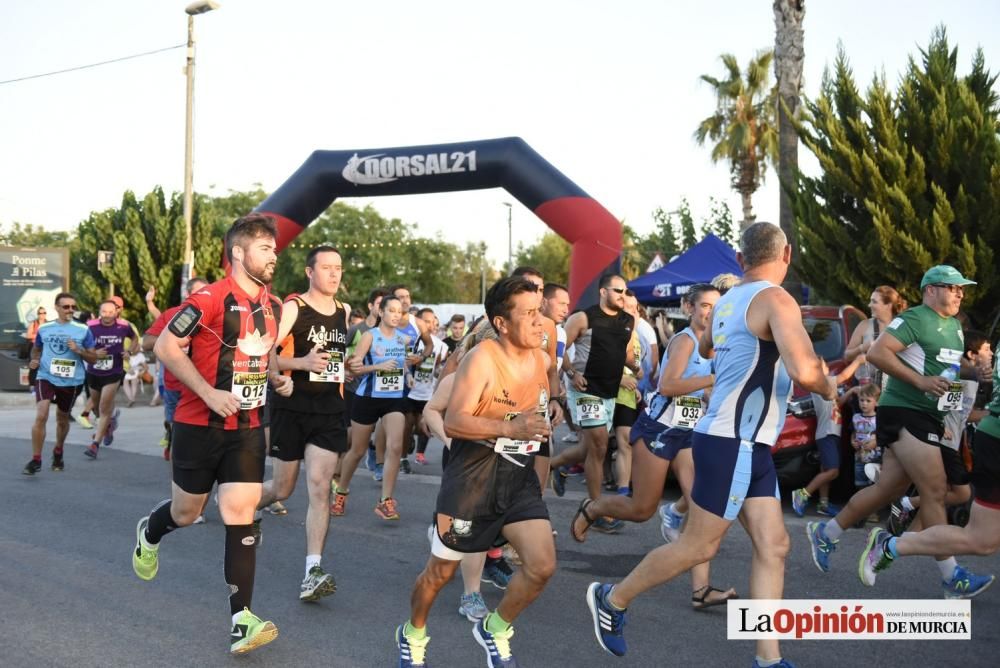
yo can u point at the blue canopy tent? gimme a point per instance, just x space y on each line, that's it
699 264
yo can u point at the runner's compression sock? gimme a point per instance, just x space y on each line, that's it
160 523
412 632
832 530
947 568
495 623
240 564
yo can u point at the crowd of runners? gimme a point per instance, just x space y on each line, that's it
312 382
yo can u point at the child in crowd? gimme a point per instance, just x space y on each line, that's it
828 431
866 449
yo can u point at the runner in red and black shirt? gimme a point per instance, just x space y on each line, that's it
230 328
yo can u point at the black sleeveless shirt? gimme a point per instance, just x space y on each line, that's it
317 393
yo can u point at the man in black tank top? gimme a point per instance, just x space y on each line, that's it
309 424
601 335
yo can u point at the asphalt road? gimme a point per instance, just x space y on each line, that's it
68 596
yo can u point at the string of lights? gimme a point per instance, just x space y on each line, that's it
372 244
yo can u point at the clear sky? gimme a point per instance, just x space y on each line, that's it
607 92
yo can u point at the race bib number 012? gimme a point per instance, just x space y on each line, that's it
687 412
62 368
591 409
952 399
334 371
389 381
250 389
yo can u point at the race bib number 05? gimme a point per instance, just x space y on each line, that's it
952 399
590 408
334 371
62 368
389 381
687 412
250 389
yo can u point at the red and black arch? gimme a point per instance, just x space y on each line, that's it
594 234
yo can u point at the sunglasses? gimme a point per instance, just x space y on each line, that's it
66 307
620 291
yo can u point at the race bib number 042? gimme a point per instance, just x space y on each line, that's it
389 381
250 389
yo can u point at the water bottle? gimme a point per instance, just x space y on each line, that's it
950 374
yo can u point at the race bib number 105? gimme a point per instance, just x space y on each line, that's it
62 368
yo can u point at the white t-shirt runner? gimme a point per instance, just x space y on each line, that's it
424 374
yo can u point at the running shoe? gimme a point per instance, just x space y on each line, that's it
316 585
781 664
571 437
250 632
109 437
412 651
145 560
900 518
84 421
473 607
370 459
828 509
386 509
800 501
277 508
199 520
91 451
421 459
875 557
670 523
32 467
258 534
608 525
379 469
497 645
496 574
404 465
574 471
57 463
558 481
966 584
339 505
164 441
609 622
819 545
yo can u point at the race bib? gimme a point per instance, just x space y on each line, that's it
687 411
425 373
334 371
250 389
511 446
103 364
590 408
389 381
62 368
952 399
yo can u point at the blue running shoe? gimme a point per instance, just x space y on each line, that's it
610 525
780 664
370 459
497 645
966 584
609 623
828 509
378 472
412 652
670 523
558 481
820 546
112 425
875 558
800 501
497 572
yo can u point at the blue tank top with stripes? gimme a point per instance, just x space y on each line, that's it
385 384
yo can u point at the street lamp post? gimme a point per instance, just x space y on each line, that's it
510 238
195 8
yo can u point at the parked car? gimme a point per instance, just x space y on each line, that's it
795 457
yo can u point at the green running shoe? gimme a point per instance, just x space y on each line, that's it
250 632
145 560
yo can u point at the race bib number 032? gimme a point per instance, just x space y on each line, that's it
687 412
334 371
250 389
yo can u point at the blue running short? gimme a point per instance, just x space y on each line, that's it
728 471
645 428
670 442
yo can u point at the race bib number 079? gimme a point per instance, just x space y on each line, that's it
590 408
250 389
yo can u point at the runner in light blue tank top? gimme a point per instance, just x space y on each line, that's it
388 384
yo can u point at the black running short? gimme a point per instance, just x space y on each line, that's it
98 383
369 410
985 475
415 406
954 467
625 416
202 456
63 396
890 420
348 406
292 431
481 493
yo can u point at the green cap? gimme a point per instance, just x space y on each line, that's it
944 274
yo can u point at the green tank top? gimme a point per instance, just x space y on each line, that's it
991 423
933 343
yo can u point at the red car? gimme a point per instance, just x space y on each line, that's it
795 457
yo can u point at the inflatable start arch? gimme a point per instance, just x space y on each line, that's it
594 234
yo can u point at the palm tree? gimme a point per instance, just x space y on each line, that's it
789 53
743 126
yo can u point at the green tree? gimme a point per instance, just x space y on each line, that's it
29 236
720 222
909 179
549 256
742 130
